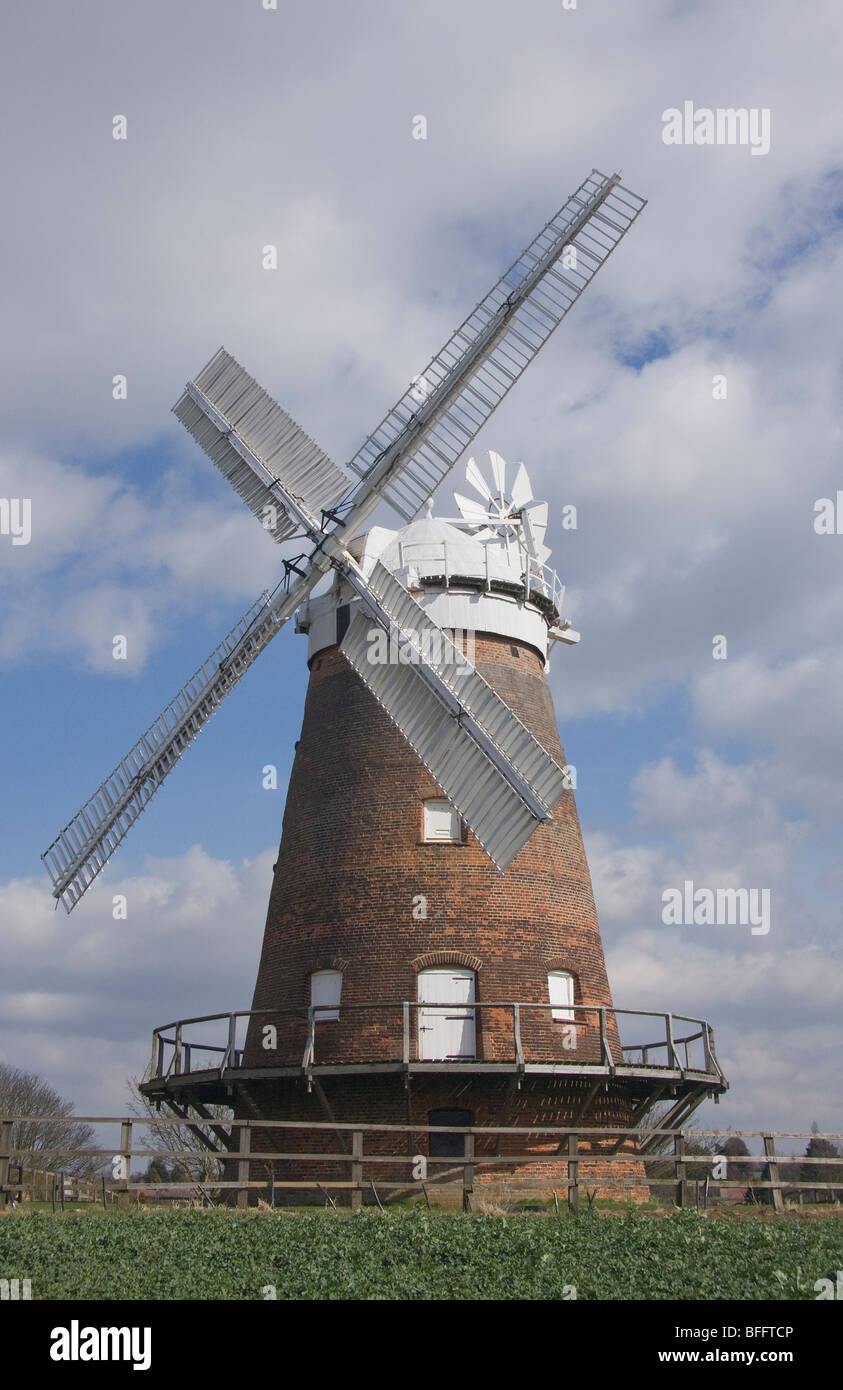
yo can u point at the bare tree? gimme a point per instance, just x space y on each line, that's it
192 1160
24 1093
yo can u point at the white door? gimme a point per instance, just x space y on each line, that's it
446 1030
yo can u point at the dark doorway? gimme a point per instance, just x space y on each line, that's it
343 618
448 1145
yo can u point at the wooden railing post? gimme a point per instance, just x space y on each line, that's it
681 1170
468 1173
605 1050
516 1028
5 1157
573 1175
773 1170
230 1057
243 1163
356 1168
310 1045
672 1054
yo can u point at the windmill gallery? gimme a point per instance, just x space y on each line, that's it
439 774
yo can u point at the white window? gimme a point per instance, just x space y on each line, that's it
560 988
325 990
442 822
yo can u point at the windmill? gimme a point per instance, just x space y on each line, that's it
431 954
489 766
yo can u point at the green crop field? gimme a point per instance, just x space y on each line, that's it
415 1254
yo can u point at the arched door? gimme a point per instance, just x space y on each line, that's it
446 1026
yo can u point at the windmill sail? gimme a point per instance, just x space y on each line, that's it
86 844
255 444
490 767
419 440
499 778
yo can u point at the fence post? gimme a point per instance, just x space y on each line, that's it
356 1167
5 1156
243 1165
122 1185
681 1171
573 1175
468 1174
773 1170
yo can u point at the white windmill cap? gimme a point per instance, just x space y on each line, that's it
430 547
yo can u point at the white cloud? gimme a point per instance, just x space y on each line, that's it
796 708
84 994
108 558
775 1000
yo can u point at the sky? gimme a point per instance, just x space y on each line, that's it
696 508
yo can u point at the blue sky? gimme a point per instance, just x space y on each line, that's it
695 516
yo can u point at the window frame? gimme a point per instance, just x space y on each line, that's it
441 839
322 1016
562 1013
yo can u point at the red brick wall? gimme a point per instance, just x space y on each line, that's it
351 865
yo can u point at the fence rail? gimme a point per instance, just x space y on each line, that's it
574 1146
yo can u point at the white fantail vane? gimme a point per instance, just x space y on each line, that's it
509 516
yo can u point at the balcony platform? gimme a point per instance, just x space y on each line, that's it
203 1061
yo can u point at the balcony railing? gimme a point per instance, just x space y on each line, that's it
509 1035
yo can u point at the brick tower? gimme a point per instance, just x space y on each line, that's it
418 983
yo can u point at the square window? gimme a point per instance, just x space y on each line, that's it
442 822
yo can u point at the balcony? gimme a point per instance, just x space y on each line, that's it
658 1053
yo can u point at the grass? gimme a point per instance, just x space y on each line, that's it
226 1254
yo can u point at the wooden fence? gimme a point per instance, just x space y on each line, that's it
574 1148
46 1185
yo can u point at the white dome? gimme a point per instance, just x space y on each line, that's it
430 546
